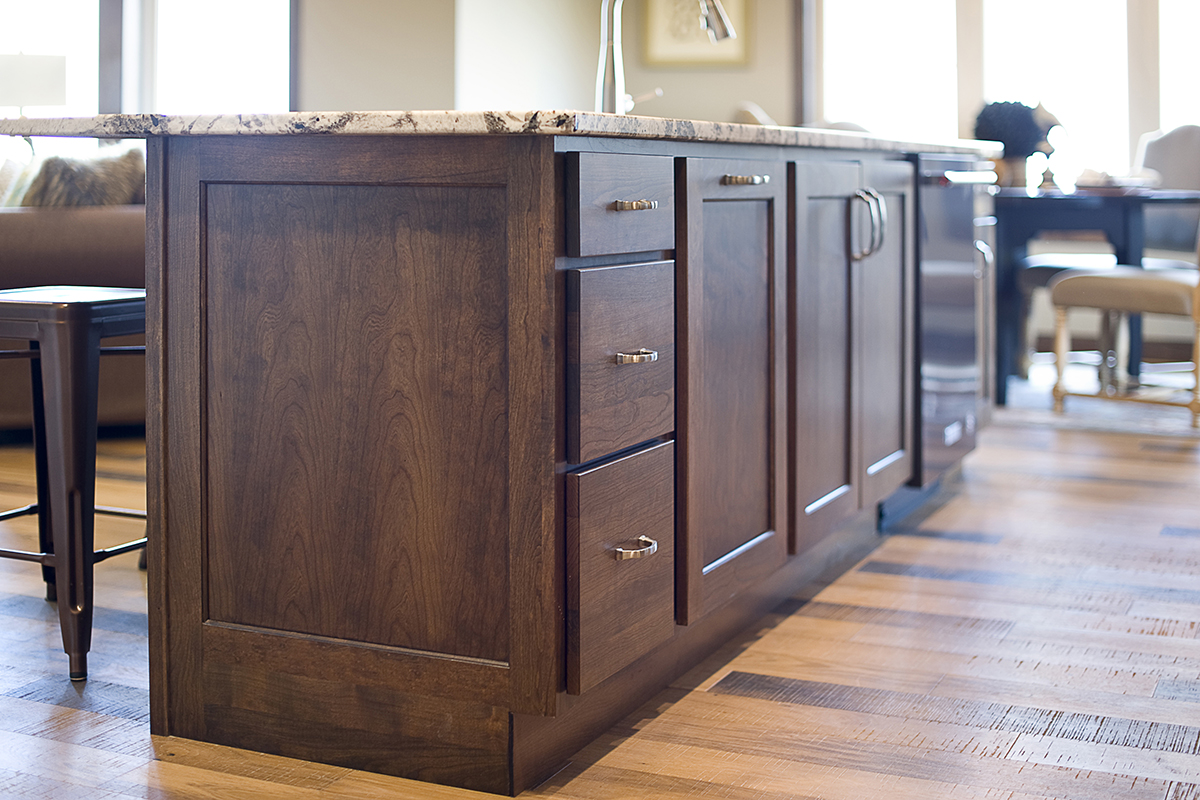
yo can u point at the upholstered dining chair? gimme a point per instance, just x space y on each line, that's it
1175 156
1118 292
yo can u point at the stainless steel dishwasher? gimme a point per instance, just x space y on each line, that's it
953 318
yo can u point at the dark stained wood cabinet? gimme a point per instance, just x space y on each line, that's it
886 336
620 563
360 532
851 415
407 428
731 317
620 357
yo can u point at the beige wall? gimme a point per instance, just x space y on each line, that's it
525 55
714 93
520 54
374 55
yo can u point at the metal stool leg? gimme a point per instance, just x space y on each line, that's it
70 380
45 539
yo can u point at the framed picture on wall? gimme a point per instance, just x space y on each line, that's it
673 36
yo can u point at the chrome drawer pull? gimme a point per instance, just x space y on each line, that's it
649 547
642 356
745 180
635 205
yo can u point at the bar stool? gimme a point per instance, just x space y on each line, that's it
64 326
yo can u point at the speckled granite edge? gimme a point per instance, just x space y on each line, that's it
386 123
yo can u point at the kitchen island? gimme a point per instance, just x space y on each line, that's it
469 432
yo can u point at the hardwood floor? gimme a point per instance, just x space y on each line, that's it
1033 636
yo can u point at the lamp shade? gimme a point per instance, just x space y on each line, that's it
33 80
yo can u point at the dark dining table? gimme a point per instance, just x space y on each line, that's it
1022 215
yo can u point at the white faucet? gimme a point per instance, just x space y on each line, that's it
610 75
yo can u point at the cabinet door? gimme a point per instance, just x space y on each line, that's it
731 387
885 345
824 381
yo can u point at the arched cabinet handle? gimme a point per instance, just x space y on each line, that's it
865 196
635 205
881 205
648 548
877 207
642 356
745 180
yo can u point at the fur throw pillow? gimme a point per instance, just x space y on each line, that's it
61 181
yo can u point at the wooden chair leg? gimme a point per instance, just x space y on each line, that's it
1123 350
1195 404
1107 346
1062 347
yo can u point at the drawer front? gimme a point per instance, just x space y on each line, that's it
621 357
619 203
620 605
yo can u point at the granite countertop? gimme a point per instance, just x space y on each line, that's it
388 123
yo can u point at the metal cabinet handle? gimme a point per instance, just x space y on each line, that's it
865 196
881 205
648 548
635 205
642 356
745 180
989 258
879 222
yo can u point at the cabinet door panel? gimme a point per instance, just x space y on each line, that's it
731 423
886 343
824 382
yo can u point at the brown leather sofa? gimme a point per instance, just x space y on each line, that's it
82 245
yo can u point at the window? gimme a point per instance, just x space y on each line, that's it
1032 53
68 28
222 56
890 67
1179 102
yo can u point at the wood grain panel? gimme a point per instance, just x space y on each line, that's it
535 412
885 345
734 425
617 611
615 310
731 418
157 402
596 181
175 462
367 665
356 338
824 389
361 727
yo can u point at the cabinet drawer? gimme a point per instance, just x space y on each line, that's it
619 203
620 605
621 357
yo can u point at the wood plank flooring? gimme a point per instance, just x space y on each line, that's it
1034 636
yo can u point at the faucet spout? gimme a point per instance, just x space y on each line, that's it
610 74
714 20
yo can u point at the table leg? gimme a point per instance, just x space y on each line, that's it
1010 253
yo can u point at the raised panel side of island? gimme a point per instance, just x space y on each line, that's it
359 541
